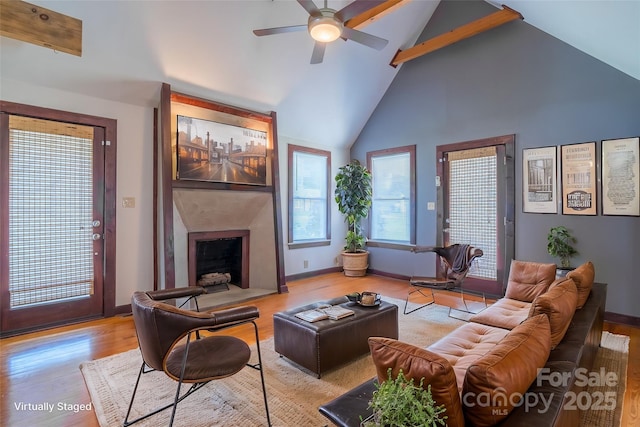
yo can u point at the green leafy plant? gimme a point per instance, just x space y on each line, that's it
399 402
353 195
559 244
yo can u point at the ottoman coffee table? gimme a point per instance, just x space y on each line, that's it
325 344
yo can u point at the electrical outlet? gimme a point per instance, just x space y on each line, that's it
128 202
306 263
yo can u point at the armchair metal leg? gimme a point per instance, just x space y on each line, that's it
259 367
418 290
174 404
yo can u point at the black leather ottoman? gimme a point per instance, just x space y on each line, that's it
326 344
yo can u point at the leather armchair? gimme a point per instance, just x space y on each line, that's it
162 329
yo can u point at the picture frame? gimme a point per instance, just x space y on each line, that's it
578 171
539 180
620 168
214 151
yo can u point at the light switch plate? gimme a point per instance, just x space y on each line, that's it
128 202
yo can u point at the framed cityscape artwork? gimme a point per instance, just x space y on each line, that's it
219 152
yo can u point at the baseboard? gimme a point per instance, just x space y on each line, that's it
312 273
622 319
122 309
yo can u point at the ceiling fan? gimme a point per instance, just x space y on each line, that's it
326 25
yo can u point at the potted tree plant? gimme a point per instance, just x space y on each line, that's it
353 195
559 244
399 402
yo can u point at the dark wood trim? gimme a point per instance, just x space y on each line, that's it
314 273
507 235
167 188
110 187
168 183
4 217
277 212
623 319
110 200
155 157
291 150
411 149
182 98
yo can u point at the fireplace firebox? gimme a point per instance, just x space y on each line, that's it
219 252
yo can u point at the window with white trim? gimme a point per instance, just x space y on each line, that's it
309 207
392 217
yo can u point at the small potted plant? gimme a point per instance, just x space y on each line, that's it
399 402
353 195
559 244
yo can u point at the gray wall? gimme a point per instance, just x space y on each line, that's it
514 79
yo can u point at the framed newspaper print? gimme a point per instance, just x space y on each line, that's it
621 176
539 187
578 169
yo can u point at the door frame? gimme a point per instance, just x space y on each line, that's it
109 215
505 235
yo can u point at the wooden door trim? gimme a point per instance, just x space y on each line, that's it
110 126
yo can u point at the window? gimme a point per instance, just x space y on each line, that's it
392 216
309 208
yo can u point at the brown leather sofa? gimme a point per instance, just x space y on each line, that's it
478 370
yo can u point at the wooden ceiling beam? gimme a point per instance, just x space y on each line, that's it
40 26
468 30
375 13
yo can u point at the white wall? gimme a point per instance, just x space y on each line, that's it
134 235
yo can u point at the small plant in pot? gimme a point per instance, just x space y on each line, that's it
399 402
559 244
353 195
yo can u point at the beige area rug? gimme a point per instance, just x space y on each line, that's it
612 357
294 395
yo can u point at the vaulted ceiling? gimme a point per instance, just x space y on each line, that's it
207 49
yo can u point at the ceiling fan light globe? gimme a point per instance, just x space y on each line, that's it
325 29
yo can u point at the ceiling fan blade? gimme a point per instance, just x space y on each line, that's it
356 8
279 30
310 7
318 52
374 42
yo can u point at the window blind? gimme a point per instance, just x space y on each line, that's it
473 205
50 211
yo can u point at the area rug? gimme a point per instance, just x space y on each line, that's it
605 400
294 395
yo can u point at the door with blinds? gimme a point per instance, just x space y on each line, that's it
52 222
476 208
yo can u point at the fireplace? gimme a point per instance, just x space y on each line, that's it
219 252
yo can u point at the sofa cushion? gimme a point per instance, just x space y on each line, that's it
559 304
528 279
495 381
466 344
505 313
583 278
418 363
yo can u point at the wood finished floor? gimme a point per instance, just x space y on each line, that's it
42 367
